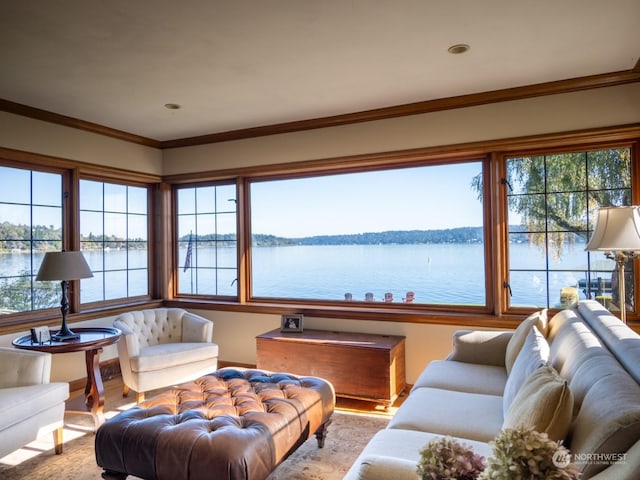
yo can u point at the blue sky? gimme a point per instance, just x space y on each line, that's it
18 189
15 188
421 198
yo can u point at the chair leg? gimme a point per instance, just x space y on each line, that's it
139 397
57 440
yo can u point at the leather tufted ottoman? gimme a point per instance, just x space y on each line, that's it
232 424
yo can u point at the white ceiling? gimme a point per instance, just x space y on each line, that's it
237 64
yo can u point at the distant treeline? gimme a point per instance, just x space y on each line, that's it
12 237
43 238
451 235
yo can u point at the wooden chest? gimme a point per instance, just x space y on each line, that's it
359 365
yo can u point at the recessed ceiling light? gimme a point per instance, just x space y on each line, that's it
458 49
172 106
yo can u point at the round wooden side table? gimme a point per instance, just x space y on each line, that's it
91 340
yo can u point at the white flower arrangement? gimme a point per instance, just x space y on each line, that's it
518 454
446 459
523 453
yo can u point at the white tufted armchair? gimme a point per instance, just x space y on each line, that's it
161 347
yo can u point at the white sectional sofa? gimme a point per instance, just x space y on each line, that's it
30 405
575 376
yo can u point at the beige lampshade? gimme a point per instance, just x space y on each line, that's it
617 229
63 266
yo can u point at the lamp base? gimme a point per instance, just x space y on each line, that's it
64 336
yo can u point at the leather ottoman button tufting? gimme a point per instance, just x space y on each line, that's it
233 424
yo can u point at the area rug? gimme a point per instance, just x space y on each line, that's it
348 434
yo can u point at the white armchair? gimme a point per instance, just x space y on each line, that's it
162 347
30 406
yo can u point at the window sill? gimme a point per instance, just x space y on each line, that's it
383 312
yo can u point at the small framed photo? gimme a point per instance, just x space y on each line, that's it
291 323
40 335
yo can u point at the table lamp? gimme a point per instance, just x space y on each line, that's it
617 234
64 266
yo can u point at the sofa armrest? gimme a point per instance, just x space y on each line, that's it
19 368
379 467
479 346
196 328
625 467
128 346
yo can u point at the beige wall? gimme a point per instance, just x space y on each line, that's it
29 135
235 332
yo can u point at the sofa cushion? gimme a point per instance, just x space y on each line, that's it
533 354
539 319
608 420
391 452
384 467
544 403
21 403
463 377
447 412
166 355
484 347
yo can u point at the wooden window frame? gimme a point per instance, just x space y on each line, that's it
174 245
498 313
631 144
161 215
72 171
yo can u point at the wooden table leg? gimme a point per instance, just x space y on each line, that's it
94 390
91 341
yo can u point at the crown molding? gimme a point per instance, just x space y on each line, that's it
46 116
427 106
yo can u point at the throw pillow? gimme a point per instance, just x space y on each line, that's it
543 403
539 319
533 354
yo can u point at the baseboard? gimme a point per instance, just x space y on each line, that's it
222 364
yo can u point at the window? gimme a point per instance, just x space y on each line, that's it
30 224
404 235
552 205
207 240
114 239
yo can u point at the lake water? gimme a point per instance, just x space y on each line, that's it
436 273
